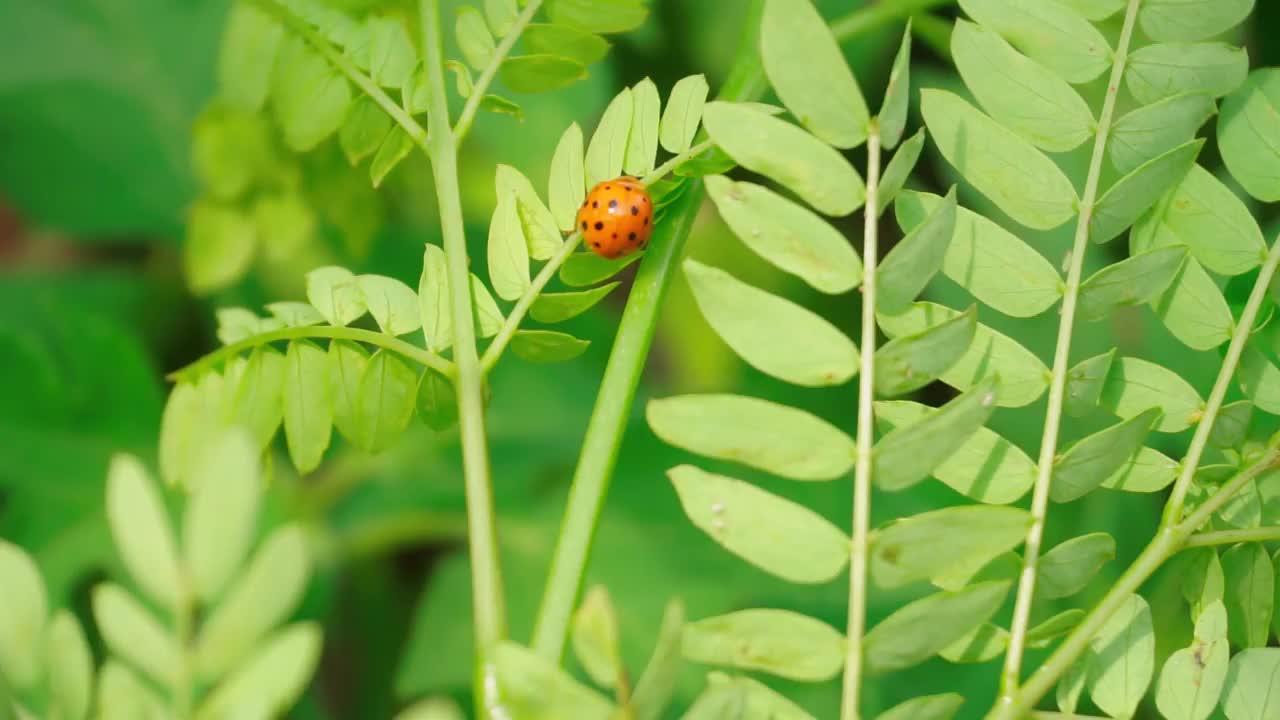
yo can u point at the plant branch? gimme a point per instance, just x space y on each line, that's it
1231 537
665 168
876 15
509 327
495 62
857 622
1010 677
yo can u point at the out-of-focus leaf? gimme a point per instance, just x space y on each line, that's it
658 681
142 531
272 678
222 513
595 638
778 642
540 73
23 620
221 242
133 634
929 707
585 47
308 95
536 689
70 667
1052 34
474 39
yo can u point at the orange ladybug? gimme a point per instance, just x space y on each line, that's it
617 217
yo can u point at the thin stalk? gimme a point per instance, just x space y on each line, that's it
857 623
1231 537
184 673
665 168
495 62
877 15
486 577
317 332
1010 677
509 327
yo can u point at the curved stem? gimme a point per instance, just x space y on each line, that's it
1231 537
857 622
318 332
486 77
665 168
509 327
1009 678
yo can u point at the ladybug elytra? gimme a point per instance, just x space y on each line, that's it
617 217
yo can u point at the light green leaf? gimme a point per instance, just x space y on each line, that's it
778 642
1068 567
308 95
141 530
436 708
1071 685
434 306
393 305
1206 216
508 251
787 234
122 696
1252 689
899 169
1019 179
758 433
922 628
1260 380
395 147
1232 427
607 150
910 362
601 16
545 346
683 116
347 363
1042 635
1123 659
392 58
437 401
1085 382
1147 132
501 14
1019 92
295 314
585 47
236 324
489 319
1194 310
334 292
788 155
249 45
773 335
70 668
551 308
910 453
587 268
1191 19
983 644
1159 71
1085 465
907 550
807 69
1149 471
385 403
658 681
473 36
258 403
642 144
1249 134
776 535
595 638
221 241
741 697
1250 594
567 185
193 413
987 468
1136 281
536 689
897 95
541 232
263 596
1135 385
271 679
308 411
1192 679
133 634
1135 193
913 262
540 73
1050 33
218 527
1095 10
929 707
22 622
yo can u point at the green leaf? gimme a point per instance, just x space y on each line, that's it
924 627
658 681
508 251
1194 309
272 678
141 530
1149 471
1068 567
308 412
540 73
567 185
193 413
1252 690
1085 382
758 433
787 155
260 598
393 305
220 245
434 306
1122 659
913 262
607 150
983 644
1023 377
1019 179
1134 386
489 319
897 95
395 147
807 69
595 638
1249 134
1192 679
642 144
387 397
132 634
541 232
335 293
987 467
1250 594
1147 132
1050 33
70 668
910 453
1159 71
773 335
1095 10
741 697
545 346
1022 94
600 16
218 527
347 364
683 116
1136 281
473 36
392 58
929 707
437 401
1085 465
786 234
258 403
587 268
295 314
585 47
26 607
1135 193
122 696
1260 380
899 169
436 708
910 362
1191 19
533 688
1042 635
1232 427
778 642
907 550
776 535
502 15
551 308
1071 685
1206 216
250 41
309 97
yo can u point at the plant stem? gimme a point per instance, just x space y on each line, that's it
857 622
509 327
877 15
1231 537
495 62
486 576
1010 677
665 168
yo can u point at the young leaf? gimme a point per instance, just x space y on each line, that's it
567 185
1123 659
776 535
1192 679
642 144
807 69
1082 467
308 411
1020 93
1135 193
595 638
334 292
1135 385
913 262
395 147
347 363
534 688
929 707
1156 72
1095 10
982 644
548 39
773 335
385 401
787 234
70 668
1252 689
1250 594
501 15
897 96
122 696
683 116
1018 178
141 530
787 155
131 633
23 619
922 628
1085 382
1042 635
258 403
437 401
778 642
1191 19
1194 309
218 527
1068 567
540 229
587 268
220 244
909 454
1249 134
608 148
551 308
364 130
544 346
1147 132
508 252
758 433
295 314
1135 281
899 170
433 299
609 16
1147 472
907 550
473 36
309 97
540 73
393 305
910 362
1050 33
658 681
248 52
1206 216
272 678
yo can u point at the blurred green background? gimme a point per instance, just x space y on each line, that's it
98 99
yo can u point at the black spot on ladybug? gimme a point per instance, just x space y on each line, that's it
635 209
615 236
595 204
599 226
608 187
632 237
613 204
584 224
646 221
595 244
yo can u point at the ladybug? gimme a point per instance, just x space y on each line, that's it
617 217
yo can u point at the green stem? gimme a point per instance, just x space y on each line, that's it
1231 537
486 577
877 15
317 332
509 327
1010 677
857 622
495 62
665 168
